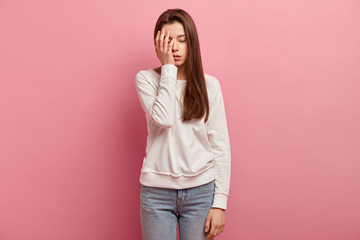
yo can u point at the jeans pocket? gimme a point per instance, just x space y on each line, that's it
205 190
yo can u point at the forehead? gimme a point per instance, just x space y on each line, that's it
176 29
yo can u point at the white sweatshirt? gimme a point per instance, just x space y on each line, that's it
183 155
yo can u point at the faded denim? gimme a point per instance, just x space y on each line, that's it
161 209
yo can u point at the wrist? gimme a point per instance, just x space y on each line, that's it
218 208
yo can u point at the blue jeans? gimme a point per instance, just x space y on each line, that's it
162 208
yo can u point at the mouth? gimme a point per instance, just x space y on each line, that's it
176 55
177 58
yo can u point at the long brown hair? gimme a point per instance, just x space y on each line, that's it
195 97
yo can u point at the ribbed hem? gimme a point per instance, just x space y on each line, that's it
169 70
220 201
167 181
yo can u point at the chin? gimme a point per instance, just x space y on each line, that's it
179 63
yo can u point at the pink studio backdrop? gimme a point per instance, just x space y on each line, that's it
73 134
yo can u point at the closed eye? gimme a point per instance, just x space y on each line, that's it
180 41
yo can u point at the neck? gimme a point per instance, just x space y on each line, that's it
181 73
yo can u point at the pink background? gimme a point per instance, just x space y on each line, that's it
73 134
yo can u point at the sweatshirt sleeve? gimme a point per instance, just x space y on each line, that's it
218 136
159 102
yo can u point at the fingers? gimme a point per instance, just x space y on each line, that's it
161 40
166 42
157 41
207 224
212 232
163 47
163 44
209 227
215 229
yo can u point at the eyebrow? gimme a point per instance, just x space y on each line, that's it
179 36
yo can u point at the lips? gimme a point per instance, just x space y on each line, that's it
176 55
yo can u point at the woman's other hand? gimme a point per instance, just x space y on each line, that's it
215 222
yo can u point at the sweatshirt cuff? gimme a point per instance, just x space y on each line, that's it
169 70
220 201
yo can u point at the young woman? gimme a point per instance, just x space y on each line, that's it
185 176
